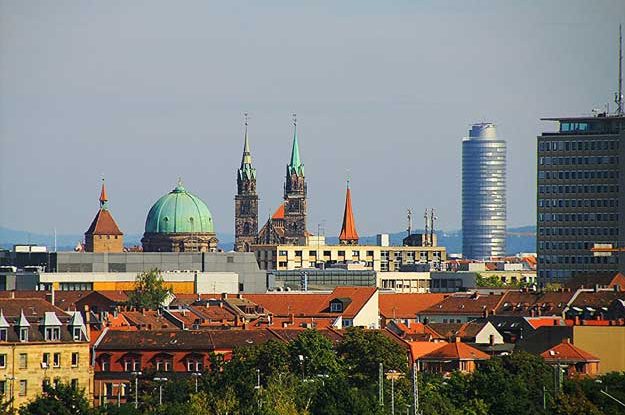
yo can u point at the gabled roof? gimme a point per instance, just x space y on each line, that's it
597 299
50 319
103 224
466 331
279 213
404 306
602 280
418 349
31 308
309 304
567 352
348 230
3 321
456 351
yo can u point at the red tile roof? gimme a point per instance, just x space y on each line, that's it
456 351
567 352
103 224
419 349
279 213
466 304
404 306
537 322
312 304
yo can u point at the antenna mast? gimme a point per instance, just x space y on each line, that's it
618 98
409 222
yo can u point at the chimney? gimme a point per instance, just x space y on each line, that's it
457 339
52 294
292 318
12 295
224 296
566 340
577 320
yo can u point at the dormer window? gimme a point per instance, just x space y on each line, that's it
336 307
76 333
3 335
24 334
53 333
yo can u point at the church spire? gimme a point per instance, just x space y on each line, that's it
246 171
103 198
295 164
348 235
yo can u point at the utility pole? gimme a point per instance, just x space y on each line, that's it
381 385
415 389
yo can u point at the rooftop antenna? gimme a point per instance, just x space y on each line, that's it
409 216
433 218
618 97
425 217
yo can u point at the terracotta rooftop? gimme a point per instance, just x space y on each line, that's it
466 304
418 349
530 304
308 304
403 306
597 299
567 352
602 280
279 213
456 351
466 331
103 224
33 308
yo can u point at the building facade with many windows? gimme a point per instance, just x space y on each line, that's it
581 197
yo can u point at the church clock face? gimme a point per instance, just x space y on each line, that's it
294 206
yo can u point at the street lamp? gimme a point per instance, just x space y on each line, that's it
160 389
257 387
392 375
301 363
136 375
196 375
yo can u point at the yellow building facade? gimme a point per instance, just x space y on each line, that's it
28 365
605 342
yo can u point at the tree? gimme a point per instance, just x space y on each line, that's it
150 290
317 351
58 399
363 350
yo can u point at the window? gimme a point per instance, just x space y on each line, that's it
75 357
53 333
194 364
3 388
23 388
132 364
3 361
74 382
57 359
24 334
3 335
45 360
163 363
23 361
336 307
348 322
76 333
105 363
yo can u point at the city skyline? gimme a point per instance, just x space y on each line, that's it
112 106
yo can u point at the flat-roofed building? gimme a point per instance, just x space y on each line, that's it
581 197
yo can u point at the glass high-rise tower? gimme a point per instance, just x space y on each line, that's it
483 193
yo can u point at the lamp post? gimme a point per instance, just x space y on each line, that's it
136 375
301 363
196 375
257 387
160 389
392 375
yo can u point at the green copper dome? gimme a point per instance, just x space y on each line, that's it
178 212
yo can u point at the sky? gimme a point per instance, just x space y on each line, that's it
144 92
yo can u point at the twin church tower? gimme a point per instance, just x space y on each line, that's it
288 224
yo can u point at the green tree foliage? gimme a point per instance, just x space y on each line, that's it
150 290
317 351
363 350
58 399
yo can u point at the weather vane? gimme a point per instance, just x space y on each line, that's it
245 118
294 119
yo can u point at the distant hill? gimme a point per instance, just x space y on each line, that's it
521 239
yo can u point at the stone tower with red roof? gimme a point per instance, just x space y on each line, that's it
104 235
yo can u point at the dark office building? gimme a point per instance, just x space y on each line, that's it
581 198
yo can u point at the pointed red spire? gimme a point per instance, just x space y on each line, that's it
348 231
103 197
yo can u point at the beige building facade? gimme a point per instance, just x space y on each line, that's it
374 257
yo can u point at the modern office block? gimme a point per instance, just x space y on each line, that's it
581 197
483 193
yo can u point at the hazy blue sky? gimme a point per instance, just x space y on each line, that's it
145 91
